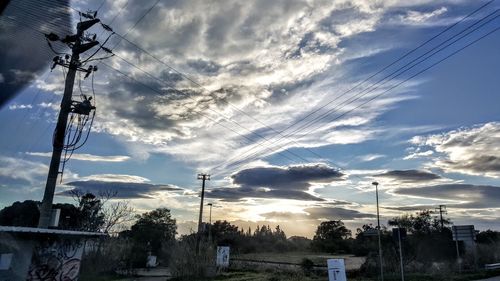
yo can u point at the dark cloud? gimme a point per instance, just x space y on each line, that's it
24 50
466 195
335 213
409 175
411 208
276 182
476 164
235 194
319 213
125 190
205 67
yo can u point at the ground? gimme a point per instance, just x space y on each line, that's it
351 262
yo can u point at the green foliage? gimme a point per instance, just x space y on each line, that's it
152 232
331 237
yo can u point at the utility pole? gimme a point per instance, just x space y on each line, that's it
203 178
442 210
379 240
77 47
210 223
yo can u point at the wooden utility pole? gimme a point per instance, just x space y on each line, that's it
203 178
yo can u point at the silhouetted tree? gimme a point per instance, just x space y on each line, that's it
331 237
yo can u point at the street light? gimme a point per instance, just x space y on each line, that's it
378 227
210 223
210 217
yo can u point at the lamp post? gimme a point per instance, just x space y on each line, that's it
378 228
210 216
210 223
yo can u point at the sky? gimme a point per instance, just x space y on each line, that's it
293 107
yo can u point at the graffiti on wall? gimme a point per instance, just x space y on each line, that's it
56 261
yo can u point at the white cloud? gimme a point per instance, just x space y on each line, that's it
20 106
419 17
370 157
18 169
418 154
115 178
86 157
471 150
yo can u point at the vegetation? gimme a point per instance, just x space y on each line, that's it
429 251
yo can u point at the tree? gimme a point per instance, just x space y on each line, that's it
116 215
20 214
27 213
331 236
154 228
421 223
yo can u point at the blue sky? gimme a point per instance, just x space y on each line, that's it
265 74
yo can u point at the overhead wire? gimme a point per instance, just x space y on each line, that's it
208 108
414 75
204 115
330 111
402 57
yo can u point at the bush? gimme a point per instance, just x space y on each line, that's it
185 264
307 266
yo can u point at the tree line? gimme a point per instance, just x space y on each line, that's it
132 238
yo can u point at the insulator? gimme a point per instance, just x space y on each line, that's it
95 68
52 37
106 27
107 50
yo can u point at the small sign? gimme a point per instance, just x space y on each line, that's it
222 256
463 233
5 261
336 270
151 262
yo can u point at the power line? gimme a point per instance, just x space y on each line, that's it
204 115
358 95
196 83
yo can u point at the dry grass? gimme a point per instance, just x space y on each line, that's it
351 262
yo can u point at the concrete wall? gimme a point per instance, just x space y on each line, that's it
40 257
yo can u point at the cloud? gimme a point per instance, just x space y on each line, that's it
418 154
292 182
370 157
20 106
409 175
245 61
318 213
415 17
20 171
124 190
86 157
460 195
471 150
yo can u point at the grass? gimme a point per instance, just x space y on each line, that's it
259 276
351 261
